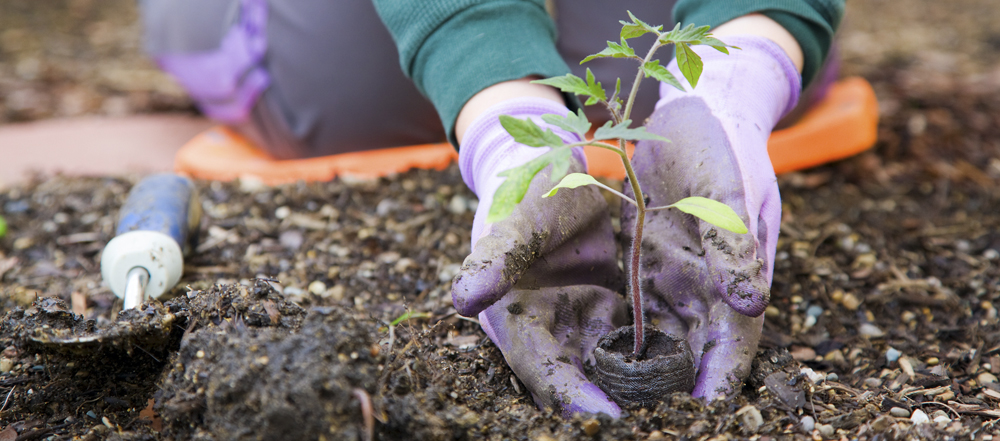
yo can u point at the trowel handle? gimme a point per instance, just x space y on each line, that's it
164 203
155 228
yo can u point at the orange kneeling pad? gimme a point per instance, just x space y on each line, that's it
843 124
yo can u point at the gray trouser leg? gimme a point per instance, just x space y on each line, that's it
336 85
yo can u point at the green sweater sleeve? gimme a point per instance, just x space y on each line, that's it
453 49
811 22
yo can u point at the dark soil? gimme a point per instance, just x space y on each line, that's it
883 302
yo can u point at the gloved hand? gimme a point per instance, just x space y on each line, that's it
701 282
543 280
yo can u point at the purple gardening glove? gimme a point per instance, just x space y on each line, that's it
543 281
701 282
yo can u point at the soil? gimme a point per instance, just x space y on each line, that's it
291 320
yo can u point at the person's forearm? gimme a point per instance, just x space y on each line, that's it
497 94
762 26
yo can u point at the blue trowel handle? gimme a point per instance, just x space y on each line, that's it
164 203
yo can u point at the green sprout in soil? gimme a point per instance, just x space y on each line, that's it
613 136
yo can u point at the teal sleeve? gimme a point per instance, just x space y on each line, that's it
811 22
454 49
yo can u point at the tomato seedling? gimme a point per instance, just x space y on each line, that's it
613 136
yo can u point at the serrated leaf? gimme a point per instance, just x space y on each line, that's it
713 212
513 189
692 36
622 131
568 83
660 73
630 30
572 180
596 90
573 122
614 50
689 34
637 28
717 44
573 84
526 132
689 63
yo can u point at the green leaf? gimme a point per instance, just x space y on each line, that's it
688 35
622 131
570 83
526 132
660 73
713 212
574 122
718 45
614 50
689 63
572 180
512 191
637 28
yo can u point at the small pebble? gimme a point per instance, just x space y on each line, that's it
656 435
809 322
985 378
899 412
317 287
458 204
850 301
336 293
807 423
812 375
751 417
385 207
814 311
772 312
908 316
282 212
933 361
23 243
826 430
873 382
871 331
892 354
404 264
837 296
919 417
832 376
591 427
940 418
291 239
991 254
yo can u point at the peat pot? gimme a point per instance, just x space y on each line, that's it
665 366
